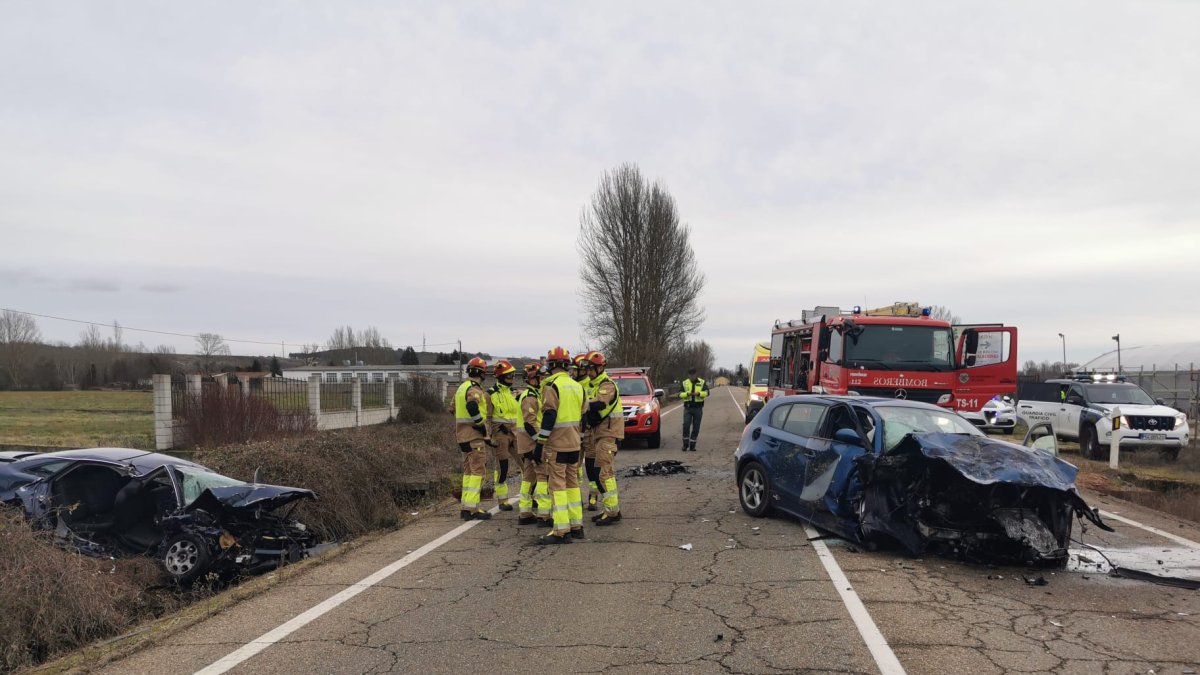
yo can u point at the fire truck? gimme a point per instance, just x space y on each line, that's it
898 351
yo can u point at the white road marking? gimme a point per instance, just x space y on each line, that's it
1155 530
239 655
740 409
664 413
885 658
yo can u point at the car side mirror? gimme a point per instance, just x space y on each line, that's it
1160 401
659 393
1074 400
848 437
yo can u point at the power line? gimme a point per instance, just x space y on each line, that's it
184 335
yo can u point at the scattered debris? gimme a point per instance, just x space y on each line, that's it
664 467
1039 581
720 636
996 576
1055 623
686 547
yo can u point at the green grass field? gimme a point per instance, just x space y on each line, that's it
77 418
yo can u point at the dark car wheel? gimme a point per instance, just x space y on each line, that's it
654 440
754 490
1089 444
186 558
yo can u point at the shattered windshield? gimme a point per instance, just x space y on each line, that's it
1116 394
196 482
876 347
900 421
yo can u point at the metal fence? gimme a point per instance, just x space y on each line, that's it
337 397
286 395
374 395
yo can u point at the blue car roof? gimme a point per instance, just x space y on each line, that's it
869 401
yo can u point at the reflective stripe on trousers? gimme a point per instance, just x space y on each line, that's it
612 503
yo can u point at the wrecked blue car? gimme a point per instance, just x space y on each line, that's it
114 502
887 472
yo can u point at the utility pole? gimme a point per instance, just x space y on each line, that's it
461 372
1117 337
1064 340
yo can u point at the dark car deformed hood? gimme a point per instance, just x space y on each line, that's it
988 461
239 497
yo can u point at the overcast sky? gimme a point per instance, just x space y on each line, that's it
269 171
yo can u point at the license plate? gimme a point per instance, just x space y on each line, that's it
1153 437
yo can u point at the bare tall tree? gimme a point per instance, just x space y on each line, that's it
211 344
19 334
640 282
944 313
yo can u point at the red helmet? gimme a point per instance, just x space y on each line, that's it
580 360
504 367
476 366
558 355
597 359
532 369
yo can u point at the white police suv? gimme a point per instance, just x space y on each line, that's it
1082 408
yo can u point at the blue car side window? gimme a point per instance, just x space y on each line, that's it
779 417
803 420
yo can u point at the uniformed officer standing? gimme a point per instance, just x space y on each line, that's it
471 434
533 474
607 426
558 445
695 390
503 414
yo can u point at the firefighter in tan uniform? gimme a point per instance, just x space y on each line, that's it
534 486
503 414
558 446
470 431
581 372
606 423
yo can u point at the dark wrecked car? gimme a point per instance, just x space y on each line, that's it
118 502
886 472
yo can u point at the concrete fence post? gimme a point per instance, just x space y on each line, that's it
442 384
164 421
194 388
356 399
1114 446
314 399
222 381
389 396
244 384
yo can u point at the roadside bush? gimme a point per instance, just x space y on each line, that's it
53 600
365 478
222 415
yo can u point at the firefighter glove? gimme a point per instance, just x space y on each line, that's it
537 453
593 419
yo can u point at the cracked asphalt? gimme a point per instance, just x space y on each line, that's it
751 596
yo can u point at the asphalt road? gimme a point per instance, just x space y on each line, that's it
750 596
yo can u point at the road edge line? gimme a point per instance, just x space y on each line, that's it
737 405
1155 530
884 657
257 645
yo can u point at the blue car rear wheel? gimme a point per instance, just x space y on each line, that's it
754 490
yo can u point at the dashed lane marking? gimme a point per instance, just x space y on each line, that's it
884 657
241 654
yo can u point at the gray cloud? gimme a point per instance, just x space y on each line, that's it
422 168
160 287
92 284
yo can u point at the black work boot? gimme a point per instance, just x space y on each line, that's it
481 515
505 506
545 522
607 519
577 534
552 538
526 520
464 514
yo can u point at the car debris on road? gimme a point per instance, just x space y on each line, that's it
665 467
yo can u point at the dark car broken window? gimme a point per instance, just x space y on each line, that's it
900 421
196 482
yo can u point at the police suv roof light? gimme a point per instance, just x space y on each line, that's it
926 311
857 309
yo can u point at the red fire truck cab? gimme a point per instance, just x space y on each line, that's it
893 352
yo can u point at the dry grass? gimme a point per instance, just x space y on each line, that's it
54 600
77 418
221 416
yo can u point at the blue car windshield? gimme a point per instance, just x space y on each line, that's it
900 421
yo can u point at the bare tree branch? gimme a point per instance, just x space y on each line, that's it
18 335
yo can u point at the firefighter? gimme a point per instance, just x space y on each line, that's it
607 427
503 414
558 446
695 390
471 432
583 375
533 474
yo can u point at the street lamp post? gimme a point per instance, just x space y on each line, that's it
1117 337
1064 340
